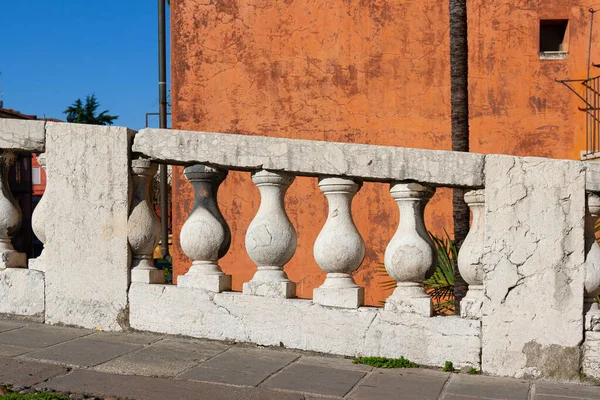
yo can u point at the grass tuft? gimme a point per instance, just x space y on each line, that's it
448 367
474 371
383 362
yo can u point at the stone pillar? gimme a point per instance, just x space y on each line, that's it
592 265
205 236
470 255
38 220
143 225
339 249
410 257
271 239
10 218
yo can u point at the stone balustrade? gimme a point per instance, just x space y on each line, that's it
530 259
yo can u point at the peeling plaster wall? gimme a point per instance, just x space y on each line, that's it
533 261
366 72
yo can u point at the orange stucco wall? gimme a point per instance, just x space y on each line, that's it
364 71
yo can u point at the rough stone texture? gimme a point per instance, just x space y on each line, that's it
22 292
592 176
591 354
301 324
22 135
309 157
533 263
87 254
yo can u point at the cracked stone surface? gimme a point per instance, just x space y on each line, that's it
311 157
301 324
22 135
533 260
86 251
22 292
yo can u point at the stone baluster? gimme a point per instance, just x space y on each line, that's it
592 265
271 239
339 249
470 255
10 218
205 236
410 256
38 220
143 225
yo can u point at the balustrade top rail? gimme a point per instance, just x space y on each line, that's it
21 135
312 157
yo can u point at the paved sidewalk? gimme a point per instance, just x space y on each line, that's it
148 366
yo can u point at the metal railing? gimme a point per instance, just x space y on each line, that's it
591 99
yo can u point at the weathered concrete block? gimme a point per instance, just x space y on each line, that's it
592 176
311 157
86 251
591 355
22 293
302 324
16 134
533 263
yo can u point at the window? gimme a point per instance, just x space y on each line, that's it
554 39
35 176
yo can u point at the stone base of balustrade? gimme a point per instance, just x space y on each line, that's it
592 317
302 324
351 297
471 305
22 293
282 289
212 283
591 355
150 276
37 264
415 305
13 259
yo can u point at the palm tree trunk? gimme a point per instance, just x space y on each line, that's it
459 79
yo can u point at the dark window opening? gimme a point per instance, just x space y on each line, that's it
553 35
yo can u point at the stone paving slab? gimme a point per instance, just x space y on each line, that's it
39 336
147 388
83 352
8 350
241 366
544 391
413 384
26 373
127 337
165 358
464 386
315 379
10 325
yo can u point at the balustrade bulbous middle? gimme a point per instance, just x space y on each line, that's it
410 257
205 236
10 218
271 239
339 249
592 264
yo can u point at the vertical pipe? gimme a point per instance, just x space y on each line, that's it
162 100
592 11
588 139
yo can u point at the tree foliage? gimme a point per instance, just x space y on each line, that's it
80 113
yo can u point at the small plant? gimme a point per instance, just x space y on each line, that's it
474 371
440 286
448 367
383 362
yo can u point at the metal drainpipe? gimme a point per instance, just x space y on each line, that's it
162 100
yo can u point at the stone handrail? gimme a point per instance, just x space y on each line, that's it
531 259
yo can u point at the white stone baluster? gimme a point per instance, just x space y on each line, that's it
10 218
410 256
205 236
339 249
143 226
38 220
592 265
271 239
470 255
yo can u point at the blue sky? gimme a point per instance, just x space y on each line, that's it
54 52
